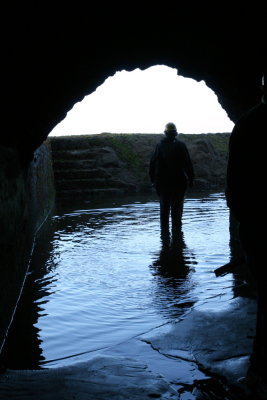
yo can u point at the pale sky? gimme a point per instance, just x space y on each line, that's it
143 102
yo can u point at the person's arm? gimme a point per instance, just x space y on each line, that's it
152 165
233 192
188 166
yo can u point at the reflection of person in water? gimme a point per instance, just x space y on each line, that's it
245 194
170 170
172 266
171 261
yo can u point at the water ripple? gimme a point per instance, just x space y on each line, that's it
105 275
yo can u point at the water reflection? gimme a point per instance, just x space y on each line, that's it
172 266
104 273
23 349
172 262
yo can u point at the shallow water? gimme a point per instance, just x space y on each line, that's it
101 274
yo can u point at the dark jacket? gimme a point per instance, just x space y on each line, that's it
171 166
246 170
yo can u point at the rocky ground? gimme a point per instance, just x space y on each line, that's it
104 164
202 356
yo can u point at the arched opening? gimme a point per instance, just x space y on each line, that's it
103 145
84 273
37 66
143 101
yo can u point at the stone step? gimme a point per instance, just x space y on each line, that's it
74 154
60 165
76 142
103 156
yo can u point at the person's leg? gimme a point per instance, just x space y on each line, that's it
165 206
177 205
253 245
259 355
256 377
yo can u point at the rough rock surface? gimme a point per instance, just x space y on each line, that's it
118 163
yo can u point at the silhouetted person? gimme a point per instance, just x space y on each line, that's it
245 194
170 171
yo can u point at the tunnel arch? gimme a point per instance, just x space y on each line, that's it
54 56
141 101
58 56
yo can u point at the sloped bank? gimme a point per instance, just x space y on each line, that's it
104 164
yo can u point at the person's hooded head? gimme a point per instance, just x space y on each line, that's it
170 130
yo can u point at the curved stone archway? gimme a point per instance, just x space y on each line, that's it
57 56
53 56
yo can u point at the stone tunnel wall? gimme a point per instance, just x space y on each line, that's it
26 198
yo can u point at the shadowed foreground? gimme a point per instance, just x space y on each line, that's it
163 363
